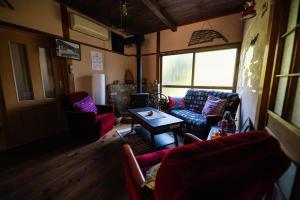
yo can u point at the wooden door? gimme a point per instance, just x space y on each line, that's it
284 105
31 79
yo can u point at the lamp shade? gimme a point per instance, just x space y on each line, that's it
98 86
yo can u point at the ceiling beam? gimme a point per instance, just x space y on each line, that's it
9 5
161 14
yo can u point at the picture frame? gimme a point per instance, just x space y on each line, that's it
67 49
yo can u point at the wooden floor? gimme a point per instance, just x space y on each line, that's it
92 171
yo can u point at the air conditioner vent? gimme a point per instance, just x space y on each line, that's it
88 27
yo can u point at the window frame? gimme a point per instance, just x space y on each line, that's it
194 51
48 53
293 74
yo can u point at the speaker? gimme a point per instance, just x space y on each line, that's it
117 43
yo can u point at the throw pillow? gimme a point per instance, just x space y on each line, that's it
86 105
213 106
176 102
151 176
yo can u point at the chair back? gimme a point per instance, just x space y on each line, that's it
68 100
242 166
195 99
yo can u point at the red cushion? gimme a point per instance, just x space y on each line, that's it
106 122
176 102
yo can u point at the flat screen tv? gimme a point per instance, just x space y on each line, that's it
67 49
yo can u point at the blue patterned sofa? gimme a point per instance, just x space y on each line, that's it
195 100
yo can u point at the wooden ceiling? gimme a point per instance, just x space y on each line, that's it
146 16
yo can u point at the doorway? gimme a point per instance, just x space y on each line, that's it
31 84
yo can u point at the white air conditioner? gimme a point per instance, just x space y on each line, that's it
85 26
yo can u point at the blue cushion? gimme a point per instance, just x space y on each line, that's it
190 117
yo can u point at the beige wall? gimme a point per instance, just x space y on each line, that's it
42 15
230 26
114 68
252 63
149 67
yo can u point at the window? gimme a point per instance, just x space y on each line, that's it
47 73
215 68
177 69
210 70
287 85
21 71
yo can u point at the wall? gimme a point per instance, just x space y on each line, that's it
45 16
230 26
36 14
252 67
114 68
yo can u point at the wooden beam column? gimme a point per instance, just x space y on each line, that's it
69 84
158 56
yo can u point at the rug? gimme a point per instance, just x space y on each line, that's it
137 144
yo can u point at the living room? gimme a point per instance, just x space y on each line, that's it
159 75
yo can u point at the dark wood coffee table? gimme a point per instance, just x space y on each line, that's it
157 124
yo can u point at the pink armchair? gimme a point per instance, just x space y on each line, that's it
242 166
87 125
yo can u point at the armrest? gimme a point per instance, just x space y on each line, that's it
133 167
81 120
149 159
81 116
213 119
190 138
105 108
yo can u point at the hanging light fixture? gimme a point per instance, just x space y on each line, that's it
249 10
123 12
123 8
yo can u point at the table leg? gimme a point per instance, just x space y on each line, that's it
152 140
132 123
175 137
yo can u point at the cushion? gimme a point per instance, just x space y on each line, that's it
213 106
195 99
176 102
190 117
86 105
232 99
151 176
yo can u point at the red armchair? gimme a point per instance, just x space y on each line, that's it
242 166
87 125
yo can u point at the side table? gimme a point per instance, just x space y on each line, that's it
214 130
